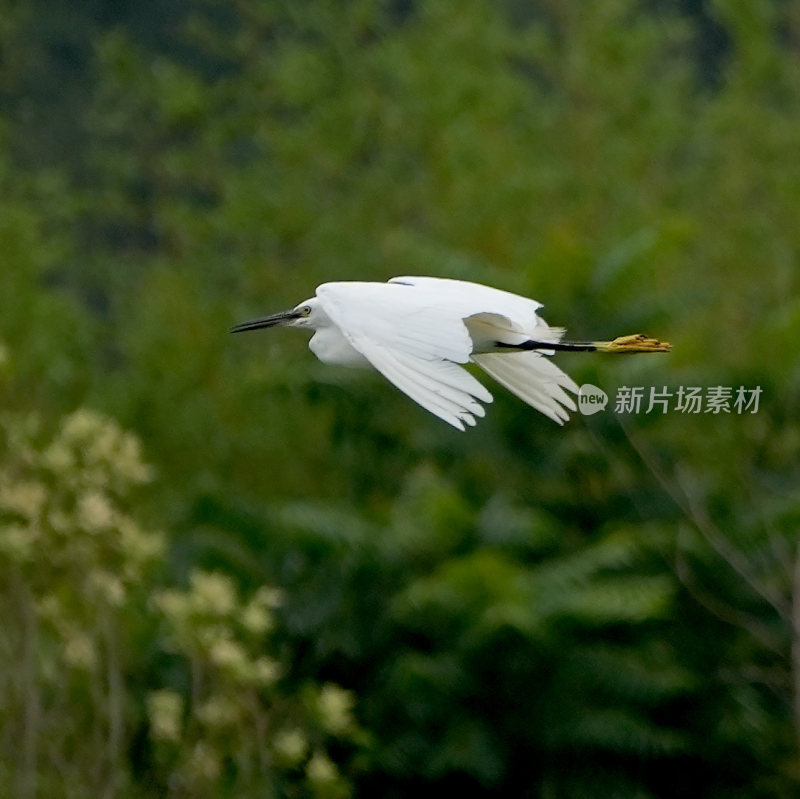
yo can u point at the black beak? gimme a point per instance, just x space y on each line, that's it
267 321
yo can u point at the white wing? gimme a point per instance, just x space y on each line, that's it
416 330
473 298
415 340
533 379
492 315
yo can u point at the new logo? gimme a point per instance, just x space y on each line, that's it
591 399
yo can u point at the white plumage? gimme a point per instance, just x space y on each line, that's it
418 332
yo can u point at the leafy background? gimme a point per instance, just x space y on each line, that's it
230 571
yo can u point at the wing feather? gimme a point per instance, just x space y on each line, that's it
533 379
412 342
453 406
475 297
416 332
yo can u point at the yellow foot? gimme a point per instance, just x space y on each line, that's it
635 343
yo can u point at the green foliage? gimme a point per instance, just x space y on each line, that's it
73 564
234 731
81 597
599 610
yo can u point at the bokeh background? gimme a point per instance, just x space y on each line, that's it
227 570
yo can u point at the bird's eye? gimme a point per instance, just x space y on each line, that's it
306 310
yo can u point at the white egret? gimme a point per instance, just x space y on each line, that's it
418 331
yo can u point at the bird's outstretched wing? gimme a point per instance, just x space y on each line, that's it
534 379
475 298
492 315
417 330
414 340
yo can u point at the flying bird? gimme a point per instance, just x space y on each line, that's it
418 332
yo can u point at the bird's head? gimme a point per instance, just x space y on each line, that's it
308 314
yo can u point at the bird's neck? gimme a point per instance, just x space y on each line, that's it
330 346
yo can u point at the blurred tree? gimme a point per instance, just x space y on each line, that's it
605 608
88 637
73 566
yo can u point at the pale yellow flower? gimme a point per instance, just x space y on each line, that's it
320 769
95 513
213 593
165 711
335 705
290 746
25 498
